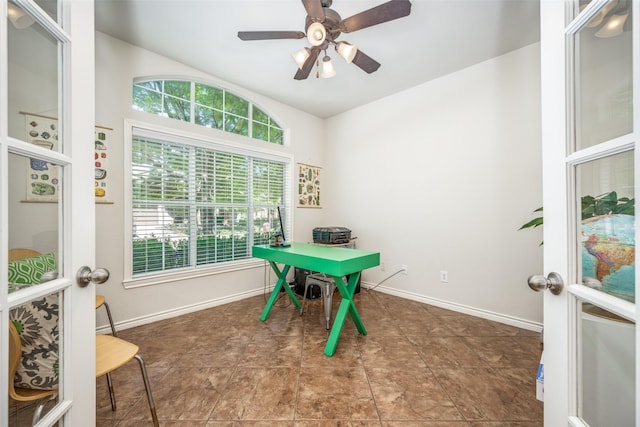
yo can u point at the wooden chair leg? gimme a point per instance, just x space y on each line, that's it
147 386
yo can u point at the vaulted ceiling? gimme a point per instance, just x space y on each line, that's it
437 38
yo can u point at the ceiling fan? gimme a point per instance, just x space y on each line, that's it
323 26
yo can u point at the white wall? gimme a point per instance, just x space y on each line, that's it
440 177
117 64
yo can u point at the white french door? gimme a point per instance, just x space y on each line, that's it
47 206
590 128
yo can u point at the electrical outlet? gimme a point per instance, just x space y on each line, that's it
444 276
383 267
404 269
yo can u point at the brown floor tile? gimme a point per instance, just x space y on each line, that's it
273 350
446 351
243 423
193 399
418 366
336 393
492 394
390 352
337 423
508 424
425 424
347 353
516 351
258 394
407 394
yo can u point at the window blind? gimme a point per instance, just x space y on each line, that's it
194 206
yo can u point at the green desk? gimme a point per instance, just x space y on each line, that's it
335 262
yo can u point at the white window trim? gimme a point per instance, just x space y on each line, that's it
195 139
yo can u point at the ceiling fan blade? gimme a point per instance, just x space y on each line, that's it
365 62
303 72
314 9
270 35
385 12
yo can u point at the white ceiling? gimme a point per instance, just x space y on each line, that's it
437 38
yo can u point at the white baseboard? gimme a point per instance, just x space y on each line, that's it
460 308
179 311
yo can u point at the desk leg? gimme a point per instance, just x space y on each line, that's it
346 306
282 283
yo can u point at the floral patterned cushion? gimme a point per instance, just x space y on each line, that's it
37 325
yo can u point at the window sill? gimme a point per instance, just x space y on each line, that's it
152 279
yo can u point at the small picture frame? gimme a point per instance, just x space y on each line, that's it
308 186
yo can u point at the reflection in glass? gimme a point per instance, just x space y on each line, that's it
34 344
19 18
33 84
603 59
606 227
607 371
33 214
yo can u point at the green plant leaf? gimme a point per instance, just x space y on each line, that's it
536 222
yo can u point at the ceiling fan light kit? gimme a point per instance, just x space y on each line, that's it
300 56
347 51
323 26
327 70
316 34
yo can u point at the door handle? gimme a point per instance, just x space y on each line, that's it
553 282
86 276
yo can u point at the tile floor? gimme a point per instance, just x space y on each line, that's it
419 365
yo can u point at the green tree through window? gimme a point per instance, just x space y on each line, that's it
205 105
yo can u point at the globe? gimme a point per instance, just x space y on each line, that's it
608 254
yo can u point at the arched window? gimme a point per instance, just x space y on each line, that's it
205 105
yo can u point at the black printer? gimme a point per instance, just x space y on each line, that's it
331 235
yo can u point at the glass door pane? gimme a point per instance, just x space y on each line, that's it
50 7
34 258
607 369
603 95
35 357
33 87
606 231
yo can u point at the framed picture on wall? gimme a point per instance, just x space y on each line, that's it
42 177
308 186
